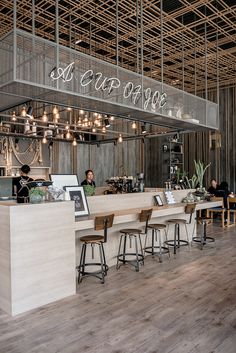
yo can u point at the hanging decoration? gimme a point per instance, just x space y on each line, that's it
31 155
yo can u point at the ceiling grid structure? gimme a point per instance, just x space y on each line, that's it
203 32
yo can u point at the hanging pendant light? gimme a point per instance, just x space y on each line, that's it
44 117
68 135
23 112
134 125
79 122
67 127
55 110
120 139
44 140
74 143
56 117
104 129
13 118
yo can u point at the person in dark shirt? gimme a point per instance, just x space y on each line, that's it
21 190
213 188
223 191
89 178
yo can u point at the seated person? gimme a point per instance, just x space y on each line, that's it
89 178
213 188
20 185
223 191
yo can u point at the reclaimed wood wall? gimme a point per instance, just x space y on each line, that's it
106 160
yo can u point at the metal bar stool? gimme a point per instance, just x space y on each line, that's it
177 242
100 223
159 249
137 257
203 239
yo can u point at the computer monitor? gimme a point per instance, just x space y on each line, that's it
62 180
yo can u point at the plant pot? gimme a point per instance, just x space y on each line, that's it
35 198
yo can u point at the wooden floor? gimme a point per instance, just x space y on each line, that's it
185 305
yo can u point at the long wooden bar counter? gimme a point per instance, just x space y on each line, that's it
126 208
131 214
40 247
37 254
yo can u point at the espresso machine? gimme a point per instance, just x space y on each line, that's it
139 184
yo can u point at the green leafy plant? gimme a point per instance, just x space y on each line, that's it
37 192
89 190
200 171
192 182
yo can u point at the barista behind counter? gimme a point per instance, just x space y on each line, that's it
89 184
20 188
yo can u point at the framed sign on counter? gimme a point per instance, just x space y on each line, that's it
158 200
77 194
170 199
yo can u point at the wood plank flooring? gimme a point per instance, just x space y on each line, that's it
185 305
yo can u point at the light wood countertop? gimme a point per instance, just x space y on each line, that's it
131 214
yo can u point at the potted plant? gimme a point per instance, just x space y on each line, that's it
89 190
200 171
36 195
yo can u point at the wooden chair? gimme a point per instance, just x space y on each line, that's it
134 258
100 223
231 208
220 209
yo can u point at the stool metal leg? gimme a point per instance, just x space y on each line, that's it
136 249
160 243
81 263
102 264
106 268
141 248
203 235
117 263
175 236
124 247
186 229
167 243
153 242
145 243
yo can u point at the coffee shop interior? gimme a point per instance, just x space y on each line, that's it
117 120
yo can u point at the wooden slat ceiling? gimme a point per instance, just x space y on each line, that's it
190 31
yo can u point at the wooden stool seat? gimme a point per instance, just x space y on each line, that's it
96 241
157 226
156 238
130 231
177 220
92 239
177 241
203 239
137 257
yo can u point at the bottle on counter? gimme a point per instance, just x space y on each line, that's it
34 129
27 127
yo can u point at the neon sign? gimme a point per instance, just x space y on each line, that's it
134 93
